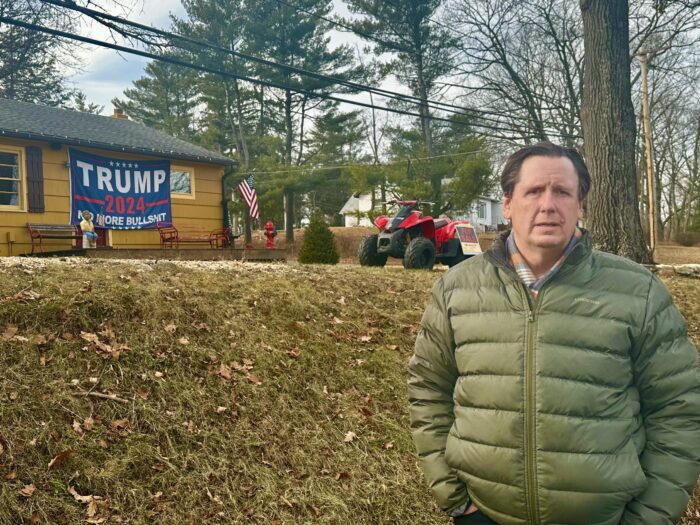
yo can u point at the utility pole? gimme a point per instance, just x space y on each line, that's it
651 195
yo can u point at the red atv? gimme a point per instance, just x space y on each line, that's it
419 241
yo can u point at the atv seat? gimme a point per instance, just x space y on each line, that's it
440 223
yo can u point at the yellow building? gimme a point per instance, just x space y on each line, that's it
35 182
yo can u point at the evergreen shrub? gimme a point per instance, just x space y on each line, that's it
319 243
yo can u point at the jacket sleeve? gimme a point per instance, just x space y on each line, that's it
666 373
431 383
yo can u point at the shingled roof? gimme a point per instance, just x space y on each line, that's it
64 126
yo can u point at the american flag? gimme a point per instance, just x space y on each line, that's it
247 190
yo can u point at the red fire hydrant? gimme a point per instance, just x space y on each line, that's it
270 233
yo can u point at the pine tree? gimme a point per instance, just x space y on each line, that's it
164 98
319 243
32 64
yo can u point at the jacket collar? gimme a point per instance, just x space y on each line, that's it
498 254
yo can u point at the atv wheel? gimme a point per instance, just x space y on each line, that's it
420 254
367 253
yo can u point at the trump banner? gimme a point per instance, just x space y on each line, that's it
120 194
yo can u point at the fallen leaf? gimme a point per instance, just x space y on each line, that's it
225 372
12 475
88 424
158 467
103 443
13 396
365 338
27 490
183 341
60 458
121 426
20 338
349 437
337 321
78 427
142 393
39 340
254 379
89 337
342 475
294 353
388 446
2 450
67 336
9 333
392 347
170 328
220 410
248 362
158 374
342 300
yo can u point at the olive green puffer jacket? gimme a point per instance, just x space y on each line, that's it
581 407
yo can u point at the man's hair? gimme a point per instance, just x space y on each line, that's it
511 171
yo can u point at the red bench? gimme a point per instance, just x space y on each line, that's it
40 232
171 237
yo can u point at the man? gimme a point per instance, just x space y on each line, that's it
552 383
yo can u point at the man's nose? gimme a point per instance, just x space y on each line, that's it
547 202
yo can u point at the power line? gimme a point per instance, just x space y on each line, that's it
342 166
206 69
431 104
203 43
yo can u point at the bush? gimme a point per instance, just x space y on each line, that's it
688 238
319 243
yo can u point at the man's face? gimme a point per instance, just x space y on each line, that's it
544 207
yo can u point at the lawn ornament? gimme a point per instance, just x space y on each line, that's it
419 240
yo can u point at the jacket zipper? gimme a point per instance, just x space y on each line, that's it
530 413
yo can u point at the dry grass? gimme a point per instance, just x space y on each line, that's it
241 382
673 253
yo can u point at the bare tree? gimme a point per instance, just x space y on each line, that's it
607 116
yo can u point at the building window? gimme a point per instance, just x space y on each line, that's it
482 210
11 180
182 182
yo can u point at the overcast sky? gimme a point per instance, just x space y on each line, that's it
106 74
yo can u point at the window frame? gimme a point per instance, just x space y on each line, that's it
21 168
185 169
481 208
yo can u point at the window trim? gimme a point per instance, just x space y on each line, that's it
189 170
24 198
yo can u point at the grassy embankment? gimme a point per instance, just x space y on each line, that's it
244 394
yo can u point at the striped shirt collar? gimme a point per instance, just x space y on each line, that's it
523 270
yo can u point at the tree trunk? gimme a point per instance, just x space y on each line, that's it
609 130
288 192
289 216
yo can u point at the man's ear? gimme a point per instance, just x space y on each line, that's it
506 207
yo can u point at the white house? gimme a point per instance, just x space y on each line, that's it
485 213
